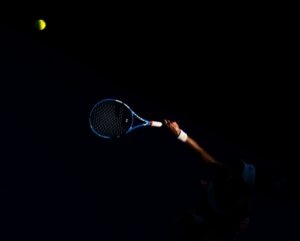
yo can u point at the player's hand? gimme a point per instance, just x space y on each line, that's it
172 126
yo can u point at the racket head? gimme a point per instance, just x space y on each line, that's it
110 118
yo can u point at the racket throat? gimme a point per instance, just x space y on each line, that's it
137 123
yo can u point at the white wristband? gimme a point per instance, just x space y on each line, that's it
182 136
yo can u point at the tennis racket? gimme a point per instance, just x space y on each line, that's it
111 118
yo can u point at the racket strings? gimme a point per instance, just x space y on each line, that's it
111 119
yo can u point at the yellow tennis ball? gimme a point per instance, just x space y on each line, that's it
40 24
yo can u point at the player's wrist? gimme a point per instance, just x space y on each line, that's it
182 136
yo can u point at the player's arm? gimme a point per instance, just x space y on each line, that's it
181 135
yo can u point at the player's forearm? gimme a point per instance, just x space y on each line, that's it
194 145
182 136
207 158
204 154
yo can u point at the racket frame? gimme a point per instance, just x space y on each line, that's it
133 115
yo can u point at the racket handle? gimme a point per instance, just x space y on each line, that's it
155 123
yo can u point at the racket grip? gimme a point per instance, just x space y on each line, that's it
155 123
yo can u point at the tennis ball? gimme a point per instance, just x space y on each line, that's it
40 24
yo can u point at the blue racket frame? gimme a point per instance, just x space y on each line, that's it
133 114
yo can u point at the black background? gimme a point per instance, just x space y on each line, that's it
226 76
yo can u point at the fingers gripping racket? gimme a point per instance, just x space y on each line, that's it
111 118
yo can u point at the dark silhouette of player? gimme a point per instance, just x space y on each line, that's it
224 213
